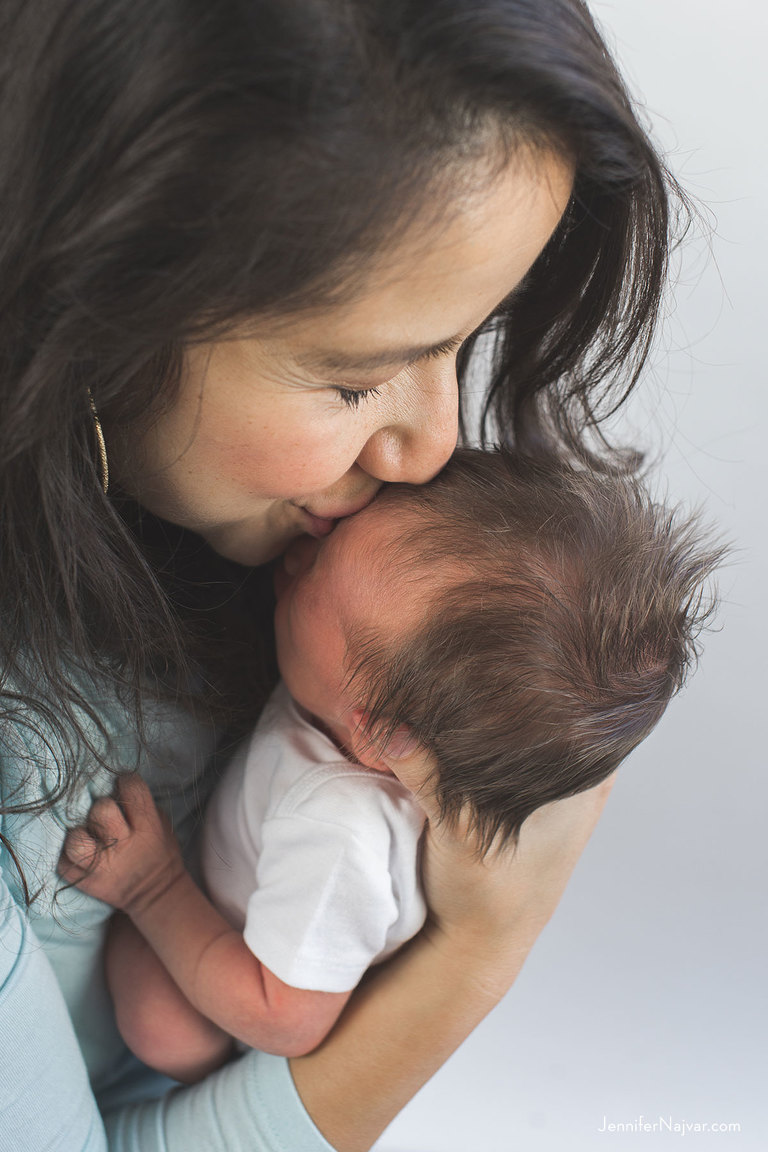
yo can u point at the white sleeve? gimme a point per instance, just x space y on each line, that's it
323 904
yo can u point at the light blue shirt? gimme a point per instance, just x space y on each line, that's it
60 1051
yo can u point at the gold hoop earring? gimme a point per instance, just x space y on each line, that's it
100 444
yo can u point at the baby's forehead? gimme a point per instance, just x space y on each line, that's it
382 538
392 547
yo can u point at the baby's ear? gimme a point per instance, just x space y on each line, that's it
367 749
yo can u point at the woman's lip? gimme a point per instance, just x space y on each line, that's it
318 526
323 525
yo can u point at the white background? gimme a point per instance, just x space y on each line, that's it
646 996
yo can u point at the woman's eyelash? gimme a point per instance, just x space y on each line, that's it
445 349
353 397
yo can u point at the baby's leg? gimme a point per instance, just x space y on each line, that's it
155 1019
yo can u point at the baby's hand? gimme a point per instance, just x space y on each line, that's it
127 854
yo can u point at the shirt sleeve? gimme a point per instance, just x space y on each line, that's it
250 1105
45 1098
46 1101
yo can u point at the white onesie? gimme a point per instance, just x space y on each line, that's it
313 856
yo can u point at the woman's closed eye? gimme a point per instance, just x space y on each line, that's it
353 397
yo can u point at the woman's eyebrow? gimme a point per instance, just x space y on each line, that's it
338 361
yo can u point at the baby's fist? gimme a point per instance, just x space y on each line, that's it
126 852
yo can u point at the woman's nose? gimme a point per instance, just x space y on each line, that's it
412 448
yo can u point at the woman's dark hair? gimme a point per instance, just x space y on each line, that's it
171 167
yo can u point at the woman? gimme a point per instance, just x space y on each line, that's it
247 251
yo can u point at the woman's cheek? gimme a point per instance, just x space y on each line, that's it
316 458
285 447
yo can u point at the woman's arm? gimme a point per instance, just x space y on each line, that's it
414 1011
45 1098
405 1020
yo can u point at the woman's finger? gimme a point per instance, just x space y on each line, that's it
415 768
564 826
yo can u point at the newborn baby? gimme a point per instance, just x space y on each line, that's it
526 622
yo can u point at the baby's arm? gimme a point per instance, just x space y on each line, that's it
129 858
154 1017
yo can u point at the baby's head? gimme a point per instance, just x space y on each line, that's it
527 622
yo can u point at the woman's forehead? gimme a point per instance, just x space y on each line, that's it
441 280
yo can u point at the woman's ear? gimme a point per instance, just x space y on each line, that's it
368 750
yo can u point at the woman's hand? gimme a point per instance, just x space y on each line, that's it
410 1013
126 854
502 900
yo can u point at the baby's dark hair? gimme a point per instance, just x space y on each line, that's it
567 620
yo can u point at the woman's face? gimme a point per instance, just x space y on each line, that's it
292 426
